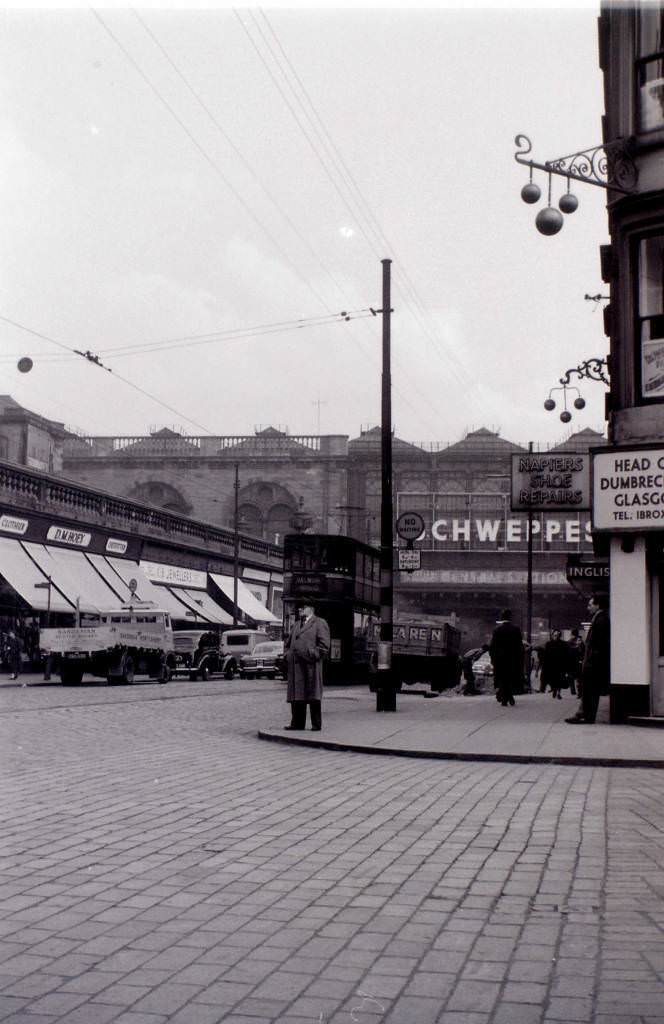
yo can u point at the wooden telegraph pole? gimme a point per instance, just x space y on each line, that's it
385 689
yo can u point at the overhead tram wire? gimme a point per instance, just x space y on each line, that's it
237 335
341 168
245 162
129 383
350 202
206 156
344 199
195 339
217 170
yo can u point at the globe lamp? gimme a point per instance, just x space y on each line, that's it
568 203
530 193
549 405
549 221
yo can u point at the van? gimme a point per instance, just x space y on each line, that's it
237 642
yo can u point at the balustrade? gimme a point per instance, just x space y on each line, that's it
24 488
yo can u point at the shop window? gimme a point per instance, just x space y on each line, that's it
650 68
650 316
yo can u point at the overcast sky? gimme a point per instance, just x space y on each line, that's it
162 179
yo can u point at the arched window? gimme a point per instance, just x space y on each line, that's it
251 520
163 495
278 522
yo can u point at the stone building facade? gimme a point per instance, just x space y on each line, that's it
474 547
28 439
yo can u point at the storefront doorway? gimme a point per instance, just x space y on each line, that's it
657 688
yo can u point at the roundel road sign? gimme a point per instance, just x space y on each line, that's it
410 525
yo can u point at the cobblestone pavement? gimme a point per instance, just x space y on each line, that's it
159 863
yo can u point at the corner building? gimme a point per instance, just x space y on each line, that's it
628 491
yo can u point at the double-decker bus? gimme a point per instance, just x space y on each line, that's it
341 577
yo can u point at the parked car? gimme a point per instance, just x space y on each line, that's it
483 671
198 654
266 659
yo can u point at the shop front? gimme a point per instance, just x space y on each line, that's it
628 522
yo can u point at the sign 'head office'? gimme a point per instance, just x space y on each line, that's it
550 481
628 489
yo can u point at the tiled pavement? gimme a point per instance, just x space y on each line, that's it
160 863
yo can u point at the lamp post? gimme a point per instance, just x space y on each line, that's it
41 586
236 540
46 586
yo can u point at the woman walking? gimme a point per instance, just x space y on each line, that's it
556 665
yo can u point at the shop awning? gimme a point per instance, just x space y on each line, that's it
162 597
74 576
245 599
202 605
23 573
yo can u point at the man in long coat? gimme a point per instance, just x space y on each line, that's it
507 654
595 670
306 647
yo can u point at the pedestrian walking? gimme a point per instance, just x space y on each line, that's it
556 665
14 650
506 651
577 650
307 645
467 662
595 670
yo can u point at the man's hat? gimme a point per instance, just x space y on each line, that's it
505 615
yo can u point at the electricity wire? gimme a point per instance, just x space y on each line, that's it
223 177
214 166
238 152
199 339
206 156
129 383
367 220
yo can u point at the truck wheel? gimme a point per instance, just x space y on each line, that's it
71 675
204 673
229 671
166 673
127 675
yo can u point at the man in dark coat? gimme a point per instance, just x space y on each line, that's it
306 647
507 652
595 670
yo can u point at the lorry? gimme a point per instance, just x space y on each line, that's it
423 651
118 644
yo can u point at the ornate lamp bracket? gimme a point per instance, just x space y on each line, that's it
593 369
609 167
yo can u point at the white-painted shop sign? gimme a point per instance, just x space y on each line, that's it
175 575
628 489
116 547
11 524
64 535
